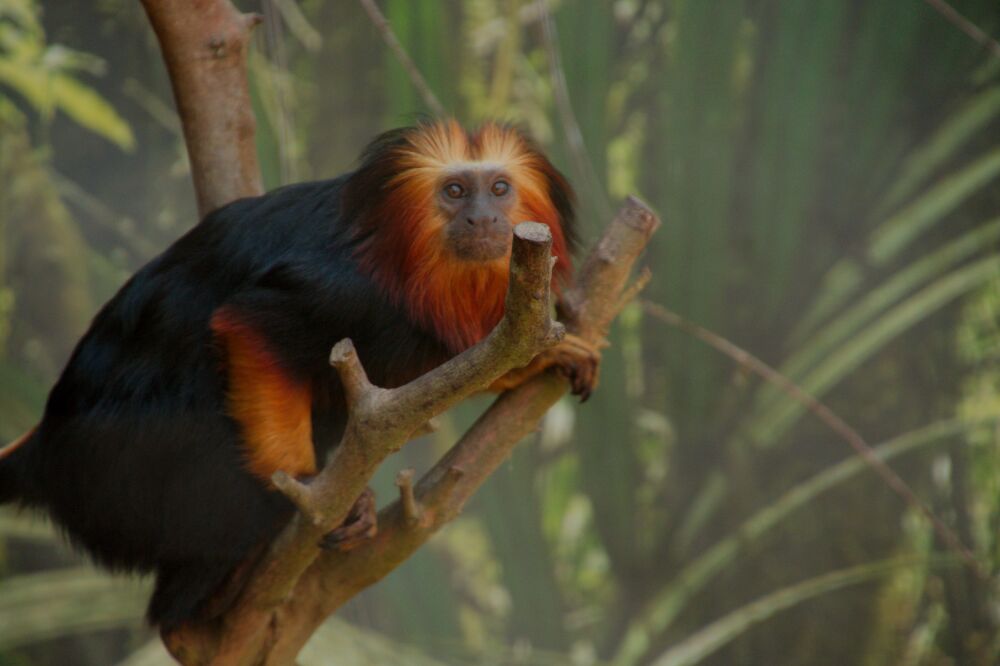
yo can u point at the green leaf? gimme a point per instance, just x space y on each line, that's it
979 112
29 82
664 609
22 12
702 643
896 233
846 276
58 58
48 90
842 361
92 111
875 302
842 280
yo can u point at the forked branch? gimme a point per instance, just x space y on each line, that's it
336 577
380 421
295 586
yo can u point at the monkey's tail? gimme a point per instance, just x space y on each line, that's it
11 468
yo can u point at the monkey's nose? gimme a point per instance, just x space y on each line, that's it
483 221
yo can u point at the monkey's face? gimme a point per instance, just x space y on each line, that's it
477 203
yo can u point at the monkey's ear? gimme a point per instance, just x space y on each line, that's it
563 198
378 164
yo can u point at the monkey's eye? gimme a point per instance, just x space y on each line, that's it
454 190
500 188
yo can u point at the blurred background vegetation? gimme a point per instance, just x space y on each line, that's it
828 174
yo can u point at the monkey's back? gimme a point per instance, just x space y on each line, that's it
135 456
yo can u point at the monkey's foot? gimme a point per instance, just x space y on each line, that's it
360 525
575 358
578 361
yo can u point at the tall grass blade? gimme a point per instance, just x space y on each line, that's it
942 146
878 300
840 362
661 613
727 628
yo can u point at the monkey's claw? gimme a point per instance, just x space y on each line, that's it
360 525
578 361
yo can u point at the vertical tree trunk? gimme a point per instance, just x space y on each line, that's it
204 45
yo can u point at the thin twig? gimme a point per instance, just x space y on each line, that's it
159 111
416 78
298 493
428 428
298 25
632 291
138 247
965 25
824 414
571 127
411 507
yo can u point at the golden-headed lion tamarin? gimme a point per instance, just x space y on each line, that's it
208 371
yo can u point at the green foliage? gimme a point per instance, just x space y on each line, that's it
664 609
694 649
45 256
827 177
45 75
23 396
38 607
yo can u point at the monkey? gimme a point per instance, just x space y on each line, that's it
207 372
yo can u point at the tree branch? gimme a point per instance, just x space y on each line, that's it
336 577
204 45
380 421
294 586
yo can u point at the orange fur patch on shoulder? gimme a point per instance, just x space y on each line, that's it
404 251
273 410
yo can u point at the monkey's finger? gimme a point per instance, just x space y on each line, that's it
349 537
585 386
586 377
577 346
586 382
364 505
576 374
360 526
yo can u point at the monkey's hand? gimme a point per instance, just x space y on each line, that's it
360 525
577 360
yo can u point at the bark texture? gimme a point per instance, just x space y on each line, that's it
204 45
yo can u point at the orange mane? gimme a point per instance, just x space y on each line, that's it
401 228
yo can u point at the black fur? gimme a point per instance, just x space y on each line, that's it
12 485
136 458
